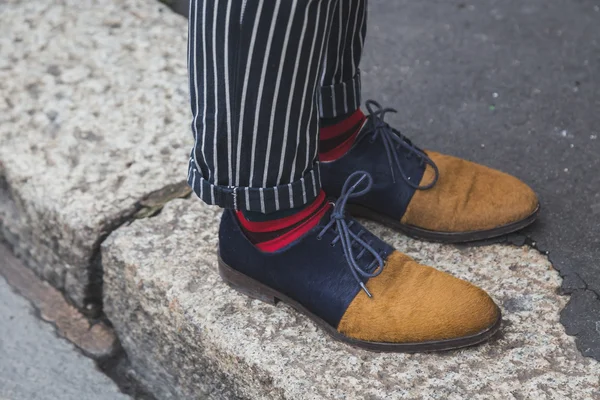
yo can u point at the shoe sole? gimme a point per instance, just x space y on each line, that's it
260 291
442 237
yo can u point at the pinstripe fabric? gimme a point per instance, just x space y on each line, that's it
255 69
340 79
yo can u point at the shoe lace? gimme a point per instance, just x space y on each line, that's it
392 141
350 239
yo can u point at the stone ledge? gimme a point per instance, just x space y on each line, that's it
188 333
94 113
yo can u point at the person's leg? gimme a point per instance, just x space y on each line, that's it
254 71
425 194
340 92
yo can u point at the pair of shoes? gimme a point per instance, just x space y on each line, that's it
358 288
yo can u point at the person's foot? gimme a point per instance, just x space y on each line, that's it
426 194
356 287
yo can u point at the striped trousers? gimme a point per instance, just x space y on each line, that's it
262 73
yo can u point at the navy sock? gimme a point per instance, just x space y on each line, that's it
337 135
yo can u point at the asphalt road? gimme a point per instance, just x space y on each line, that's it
513 85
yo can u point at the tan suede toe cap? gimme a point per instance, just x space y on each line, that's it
468 197
413 303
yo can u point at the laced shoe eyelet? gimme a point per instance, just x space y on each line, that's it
319 237
394 141
346 236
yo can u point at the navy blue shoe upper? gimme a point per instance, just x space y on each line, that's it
396 165
323 270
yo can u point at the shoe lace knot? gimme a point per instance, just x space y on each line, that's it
353 241
393 140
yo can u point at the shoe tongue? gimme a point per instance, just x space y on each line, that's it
368 124
326 217
383 248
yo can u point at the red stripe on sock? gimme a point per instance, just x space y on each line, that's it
289 237
340 150
340 128
282 223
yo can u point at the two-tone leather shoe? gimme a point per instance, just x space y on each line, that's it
356 287
426 194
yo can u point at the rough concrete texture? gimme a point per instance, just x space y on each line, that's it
188 333
35 364
92 118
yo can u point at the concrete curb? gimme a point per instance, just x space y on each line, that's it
188 333
80 146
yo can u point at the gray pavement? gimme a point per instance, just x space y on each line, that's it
35 364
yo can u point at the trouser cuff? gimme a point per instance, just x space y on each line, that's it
340 98
265 200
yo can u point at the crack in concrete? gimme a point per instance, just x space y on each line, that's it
149 206
116 364
578 315
578 319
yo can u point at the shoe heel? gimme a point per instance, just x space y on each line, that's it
246 285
